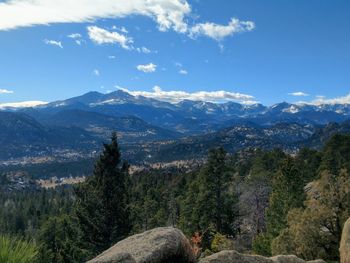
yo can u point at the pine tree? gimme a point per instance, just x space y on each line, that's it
216 205
287 193
58 239
102 206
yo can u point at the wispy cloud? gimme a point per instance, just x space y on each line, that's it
299 94
96 72
74 35
121 29
143 50
183 72
6 91
168 14
175 96
147 68
77 38
53 43
23 104
219 32
320 100
102 36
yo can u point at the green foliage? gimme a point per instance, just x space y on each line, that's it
102 201
315 232
336 154
210 204
216 201
59 241
287 193
23 212
262 244
13 250
252 195
220 243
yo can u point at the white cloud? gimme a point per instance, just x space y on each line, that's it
169 14
121 29
320 100
24 104
147 68
143 50
112 57
178 64
183 72
53 43
249 102
219 32
299 94
96 72
102 36
5 91
77 38
177 96
74 35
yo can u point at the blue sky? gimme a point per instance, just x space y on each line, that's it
253 50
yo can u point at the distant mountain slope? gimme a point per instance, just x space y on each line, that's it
150 129
21 135
81 133
129 128
286 136
289 137
194 117
322 135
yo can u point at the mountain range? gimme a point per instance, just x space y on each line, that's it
79 125
194 116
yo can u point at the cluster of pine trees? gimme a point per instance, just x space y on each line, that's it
253 201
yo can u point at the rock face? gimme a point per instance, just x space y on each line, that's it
345 243
169 245
164 244
230 256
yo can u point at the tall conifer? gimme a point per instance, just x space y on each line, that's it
102 206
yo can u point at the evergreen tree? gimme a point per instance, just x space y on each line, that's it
102 204
287 193
216 203
59 241
315 231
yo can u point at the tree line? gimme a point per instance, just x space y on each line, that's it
263 202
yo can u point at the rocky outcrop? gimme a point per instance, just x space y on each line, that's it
293 259
233 256
169 245
164 244
345 243
230 256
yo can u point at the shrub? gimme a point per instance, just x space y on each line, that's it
13 250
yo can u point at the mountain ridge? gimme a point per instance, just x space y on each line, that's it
166 114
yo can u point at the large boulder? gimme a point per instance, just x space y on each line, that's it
164 244
345 243
293 259
228 256
231 256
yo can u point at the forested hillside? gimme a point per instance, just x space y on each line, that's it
266 202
